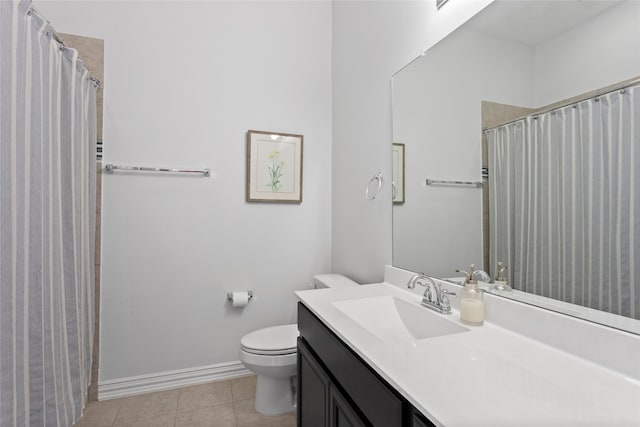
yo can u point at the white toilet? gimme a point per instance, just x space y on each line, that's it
271 354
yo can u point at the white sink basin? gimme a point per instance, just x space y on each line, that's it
392 319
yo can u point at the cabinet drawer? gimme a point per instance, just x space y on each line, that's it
374 398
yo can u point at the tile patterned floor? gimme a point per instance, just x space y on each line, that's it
218 404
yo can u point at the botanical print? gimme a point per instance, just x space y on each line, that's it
275 166
275 170
398 174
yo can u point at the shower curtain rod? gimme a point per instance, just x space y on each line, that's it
580 98
54 34
56 37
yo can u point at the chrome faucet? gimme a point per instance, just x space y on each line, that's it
437 299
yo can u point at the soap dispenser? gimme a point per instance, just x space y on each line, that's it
500 283
471 301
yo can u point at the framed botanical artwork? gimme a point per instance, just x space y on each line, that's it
274 167
398 173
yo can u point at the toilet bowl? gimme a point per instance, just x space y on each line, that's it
271 353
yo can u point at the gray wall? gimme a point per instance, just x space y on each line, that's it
186 80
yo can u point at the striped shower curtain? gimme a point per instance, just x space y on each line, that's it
47 221
564 202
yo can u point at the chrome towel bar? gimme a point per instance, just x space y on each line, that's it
111 168
467 183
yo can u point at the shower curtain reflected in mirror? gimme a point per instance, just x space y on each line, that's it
564 202
47 223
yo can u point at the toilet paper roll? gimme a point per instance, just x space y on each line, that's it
239 299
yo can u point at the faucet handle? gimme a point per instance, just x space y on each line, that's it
443 296
444 300
445 292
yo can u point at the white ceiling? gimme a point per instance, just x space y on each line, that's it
534 21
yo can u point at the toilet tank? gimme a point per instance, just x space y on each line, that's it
332 281
321 281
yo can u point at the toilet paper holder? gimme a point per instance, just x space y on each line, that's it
230 295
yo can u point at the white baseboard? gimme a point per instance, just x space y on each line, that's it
130 386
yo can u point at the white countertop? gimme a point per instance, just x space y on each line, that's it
488 376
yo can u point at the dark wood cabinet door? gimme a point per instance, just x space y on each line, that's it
313 390
420 421
341 414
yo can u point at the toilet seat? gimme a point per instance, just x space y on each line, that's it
269 352
273 341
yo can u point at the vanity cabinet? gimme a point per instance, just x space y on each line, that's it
336 388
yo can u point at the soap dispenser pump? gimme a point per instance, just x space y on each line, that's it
500 283
471 301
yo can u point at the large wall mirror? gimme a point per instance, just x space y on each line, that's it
519 64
